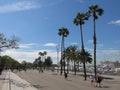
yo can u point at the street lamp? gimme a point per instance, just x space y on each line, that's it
57 47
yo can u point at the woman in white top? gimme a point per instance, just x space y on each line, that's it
92 79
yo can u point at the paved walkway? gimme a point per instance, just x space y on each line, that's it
14 82
51 81
2 78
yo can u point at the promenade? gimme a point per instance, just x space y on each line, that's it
10 81
33 80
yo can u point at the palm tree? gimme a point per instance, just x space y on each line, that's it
63 32
80 20
67 57
42 58
45 53
95 11
78 61
41 54
73 55
88 57
70 53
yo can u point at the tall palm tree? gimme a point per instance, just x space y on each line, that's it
95 11
63 32
80 20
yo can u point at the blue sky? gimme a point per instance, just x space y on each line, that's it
36 23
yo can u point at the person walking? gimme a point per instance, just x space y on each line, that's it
98 81
66 75
91 79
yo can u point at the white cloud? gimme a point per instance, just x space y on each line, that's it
30 45
28 53
108 54
32 55
19 6
117 22
111 52
29 56
50 44
21 55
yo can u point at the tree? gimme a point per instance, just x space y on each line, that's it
35 63
71 54
8 62
48 62
38 63
8 43
87 57
95 11
63 32
68 57
42 54
80 20
45 53
26 65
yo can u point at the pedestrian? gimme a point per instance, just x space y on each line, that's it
91 79
65 75
42 70
98 80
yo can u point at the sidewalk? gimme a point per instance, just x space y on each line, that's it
14 82
2 79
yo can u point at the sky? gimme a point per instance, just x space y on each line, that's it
36 23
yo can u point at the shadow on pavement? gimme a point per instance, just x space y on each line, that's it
4 78
19 84
54 74
108 78
39 86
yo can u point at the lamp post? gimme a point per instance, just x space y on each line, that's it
57 47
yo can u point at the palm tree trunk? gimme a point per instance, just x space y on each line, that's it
64 55
84 66
74 68
94 38
61 67
61 61
67 67
78 66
